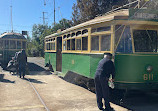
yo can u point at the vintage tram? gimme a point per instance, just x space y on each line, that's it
9 44
131 35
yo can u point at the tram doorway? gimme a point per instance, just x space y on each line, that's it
59 55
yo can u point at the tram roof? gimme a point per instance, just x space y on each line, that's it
123 14
100 19
12 35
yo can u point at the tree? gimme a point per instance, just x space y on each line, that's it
39 32
85 10
89 9
63 24
36 47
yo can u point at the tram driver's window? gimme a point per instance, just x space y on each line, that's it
95 43
145 40
84 43
105 42
12 44
72 44
68 44
125 44
78 44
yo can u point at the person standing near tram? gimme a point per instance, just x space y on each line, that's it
103 71
22 62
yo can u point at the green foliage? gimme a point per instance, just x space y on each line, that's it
85 10
89 9
63 24
35 46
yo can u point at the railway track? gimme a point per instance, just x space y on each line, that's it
38 95
20 94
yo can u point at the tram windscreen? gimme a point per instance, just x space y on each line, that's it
145 40
123 41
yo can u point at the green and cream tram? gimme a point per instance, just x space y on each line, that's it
9 44
131 35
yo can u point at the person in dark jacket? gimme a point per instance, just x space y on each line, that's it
103 71
22 61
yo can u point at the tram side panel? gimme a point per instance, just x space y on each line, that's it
83 64
50 57
78 63
94 60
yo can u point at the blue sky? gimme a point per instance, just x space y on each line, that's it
29 12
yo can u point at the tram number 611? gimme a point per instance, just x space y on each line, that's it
148 77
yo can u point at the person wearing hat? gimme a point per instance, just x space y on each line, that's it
103 71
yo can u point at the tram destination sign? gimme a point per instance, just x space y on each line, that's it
143 14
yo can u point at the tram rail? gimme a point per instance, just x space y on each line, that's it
38 95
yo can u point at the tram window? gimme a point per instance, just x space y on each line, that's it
68 44
73 44
1 44
18 44
64 37
78 33
118 31
105 42
84 43
73 34
93 30
24 45
47 46
12 44
64 45
68 35
85 31
78 44
101 29
145 40
95 43
6 44
125 44
53 46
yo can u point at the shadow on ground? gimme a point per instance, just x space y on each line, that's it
34 69
34 80
5 80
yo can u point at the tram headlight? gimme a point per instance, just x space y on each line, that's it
149 68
